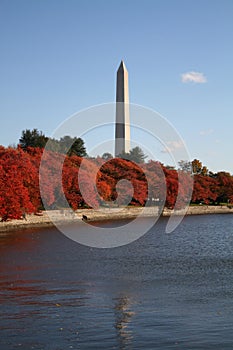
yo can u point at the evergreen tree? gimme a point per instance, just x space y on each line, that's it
67 144
72 146
107 156
32 138
136 155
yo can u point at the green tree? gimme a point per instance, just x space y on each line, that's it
72 146
124 155
67 144
32 138
136 155
107 156
53 145
78 148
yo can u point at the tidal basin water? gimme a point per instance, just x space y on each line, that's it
164 291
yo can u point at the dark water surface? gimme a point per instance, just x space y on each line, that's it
164 291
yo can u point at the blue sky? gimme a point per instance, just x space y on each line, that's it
59 57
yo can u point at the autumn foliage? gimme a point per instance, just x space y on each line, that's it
19 185
96 182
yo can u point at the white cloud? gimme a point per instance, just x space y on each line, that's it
172 146
206 132
194 77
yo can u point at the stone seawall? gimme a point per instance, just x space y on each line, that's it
201 210
67 216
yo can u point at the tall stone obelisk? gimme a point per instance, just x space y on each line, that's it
122 131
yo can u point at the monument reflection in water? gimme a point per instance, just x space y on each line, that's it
163 291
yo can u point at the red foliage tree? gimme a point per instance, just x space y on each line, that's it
225 187
89 182
118 169
18 178
78 179
204 190
172 187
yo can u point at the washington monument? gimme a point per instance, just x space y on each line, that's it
122 131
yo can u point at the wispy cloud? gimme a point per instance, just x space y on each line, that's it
206 132
193 77
172 146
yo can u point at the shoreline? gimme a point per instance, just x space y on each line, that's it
68 217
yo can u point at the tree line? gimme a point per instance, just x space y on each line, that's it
71 146
20 191
66 145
